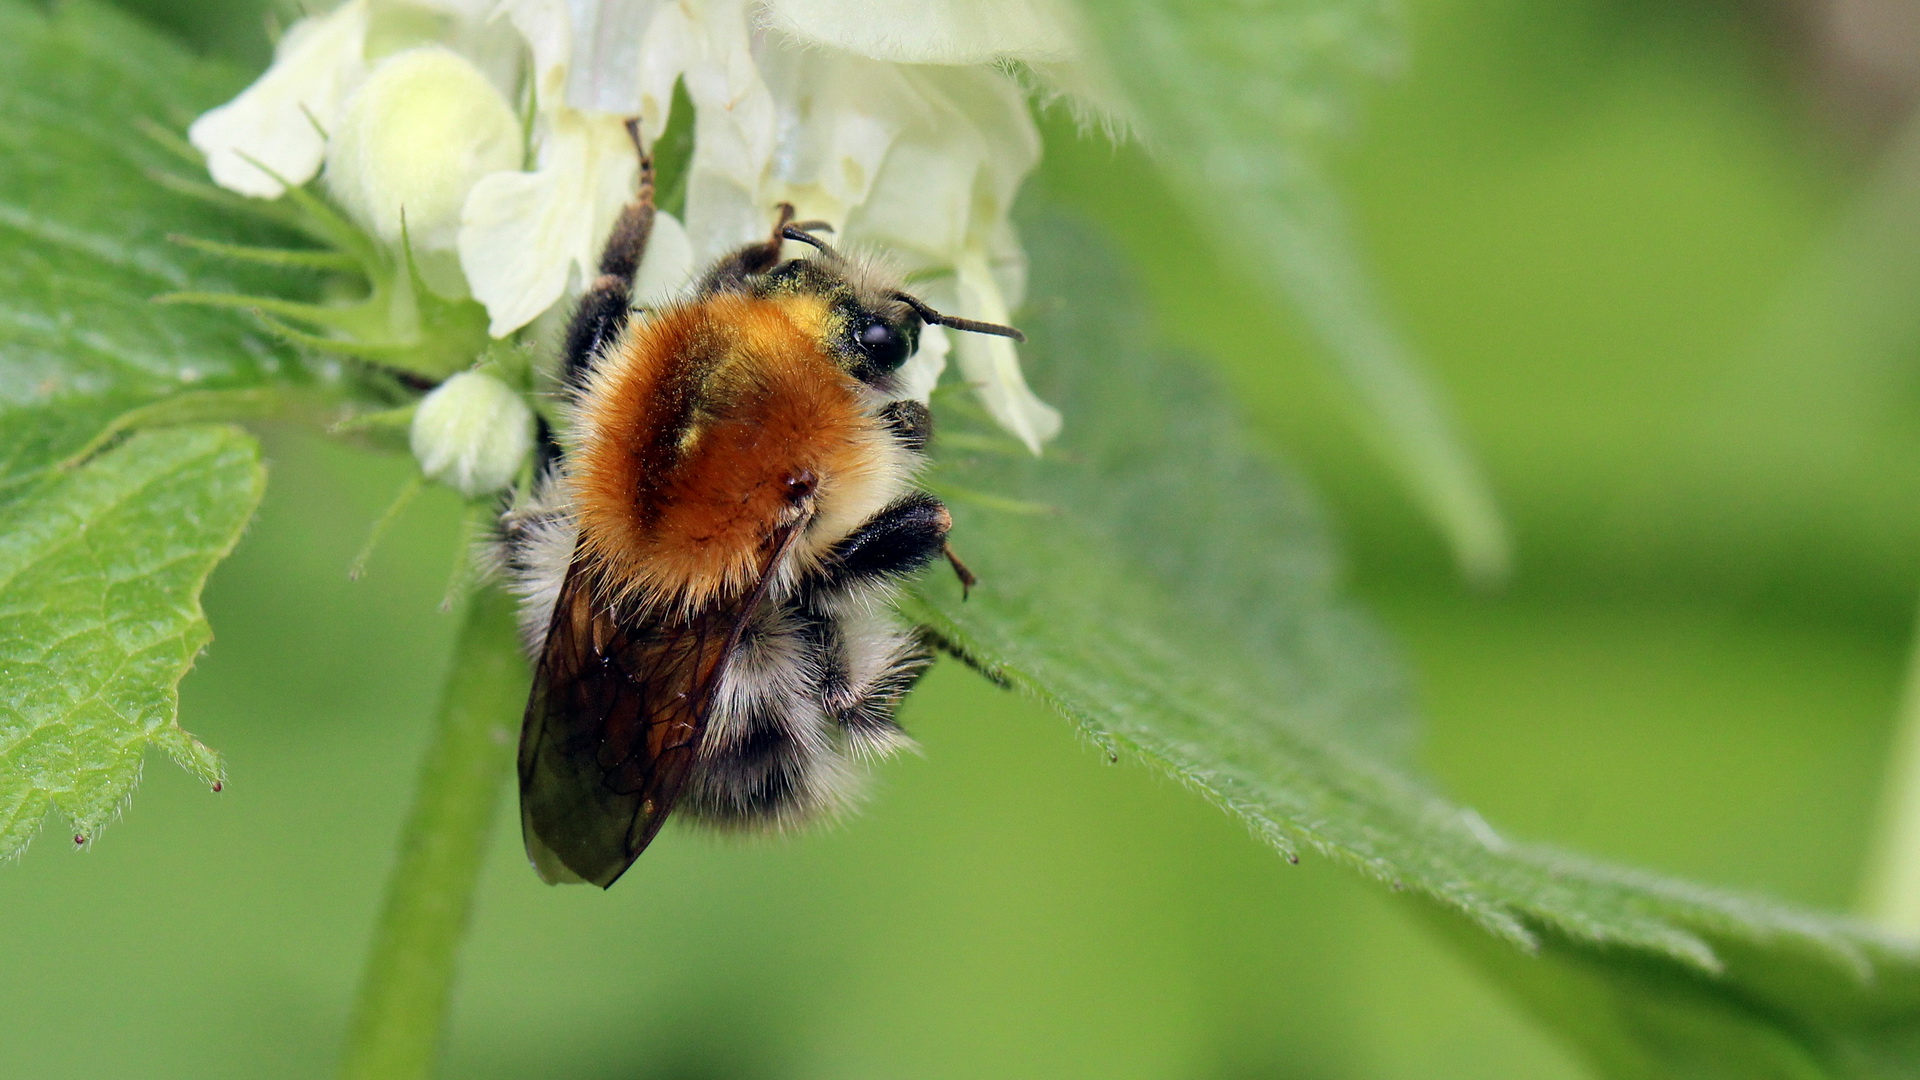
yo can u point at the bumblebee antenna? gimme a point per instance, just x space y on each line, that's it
972 326
794 232
804 231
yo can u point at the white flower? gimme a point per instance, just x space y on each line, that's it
895 122
278 121
472 433
933 31
524 235
412 141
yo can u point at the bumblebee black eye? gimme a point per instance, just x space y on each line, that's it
882 348
878 337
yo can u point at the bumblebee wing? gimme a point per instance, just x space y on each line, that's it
611 731
614 722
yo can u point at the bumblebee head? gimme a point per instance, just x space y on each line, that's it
871 324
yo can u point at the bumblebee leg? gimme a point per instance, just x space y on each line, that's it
546 449
897 541
869 721
966 576
603 311
910 422
756 258
864 664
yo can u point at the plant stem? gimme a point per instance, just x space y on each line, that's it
1892 894
405 991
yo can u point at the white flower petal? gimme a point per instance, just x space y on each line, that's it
992 364
523 234
735 126
995 107
922 204
413 140
468 27
606 53
464 10
921 161
668 267
837 116
671 44
932 31
274 120
722 215
950 178
922 371
1007 260
548 29
1090 91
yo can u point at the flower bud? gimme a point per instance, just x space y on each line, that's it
472 433
414 139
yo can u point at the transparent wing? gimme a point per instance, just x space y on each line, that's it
614 722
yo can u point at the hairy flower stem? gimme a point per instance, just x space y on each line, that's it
407 986
1892 895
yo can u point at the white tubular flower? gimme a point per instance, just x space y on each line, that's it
413 140
524 235
922 371
668 267
279 120
942 201
933 31
1041 35
472 433
991 364
894 122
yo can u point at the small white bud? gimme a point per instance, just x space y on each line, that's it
412 142
472 433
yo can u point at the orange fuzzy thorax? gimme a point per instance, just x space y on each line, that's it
706 428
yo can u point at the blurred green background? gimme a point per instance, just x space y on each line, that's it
1596 217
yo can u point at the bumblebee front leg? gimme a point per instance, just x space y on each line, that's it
893 543
608 302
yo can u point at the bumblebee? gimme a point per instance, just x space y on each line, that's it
706 560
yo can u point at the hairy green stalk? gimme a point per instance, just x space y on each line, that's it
404 994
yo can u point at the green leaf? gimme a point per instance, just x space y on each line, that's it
100 577
84 240
107 532
1233 97
1182 605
